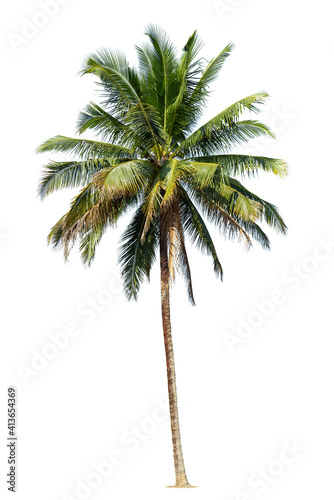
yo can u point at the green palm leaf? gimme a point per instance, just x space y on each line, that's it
210 176
163 66
269 211
225 129
93 117
197 231
70 174
245 164
85 148
129 177
121 84
136 257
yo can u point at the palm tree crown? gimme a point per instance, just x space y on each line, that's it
151 157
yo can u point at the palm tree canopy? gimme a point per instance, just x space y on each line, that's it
153 157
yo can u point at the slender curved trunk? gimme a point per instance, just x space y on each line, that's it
180 473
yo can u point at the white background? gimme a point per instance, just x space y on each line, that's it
239 402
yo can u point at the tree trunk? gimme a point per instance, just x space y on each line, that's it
180 473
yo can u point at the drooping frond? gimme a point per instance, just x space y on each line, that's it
89 242
255 232
197 231
136 257
152 203
177 253
210 176
81 205
88 217
269 212
215 207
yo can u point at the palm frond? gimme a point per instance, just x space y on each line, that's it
195 93
122 87
210 178
126 178
197 231
172 173
163 65
171 226
236 164
136 257
70 174
221 140
255 232
211 72
188 73
119 82
216 209
224 122
181 259
86 149
152 203
109 128
145 120
269 211
89 242
88 213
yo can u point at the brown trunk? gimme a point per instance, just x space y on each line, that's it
180 473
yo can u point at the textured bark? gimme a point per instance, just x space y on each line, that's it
180 473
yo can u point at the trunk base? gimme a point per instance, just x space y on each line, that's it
181 486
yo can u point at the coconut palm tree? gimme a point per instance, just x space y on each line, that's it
151 158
